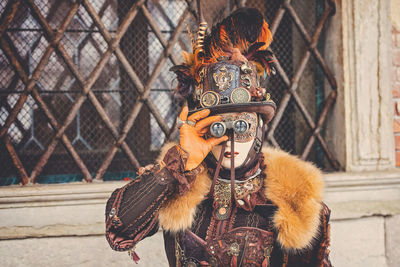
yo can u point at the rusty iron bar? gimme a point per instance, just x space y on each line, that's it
174 130
308 119
169 21
284 101
145 92
8 15
39 68
314 128
17 162
64 139
329 102
273 141
157 69
277 20
131 73
332 4
296 78
6 19
157 32
6 105
19 70
128 68
143 97
192 10
85 85
89 37
311 45
53 122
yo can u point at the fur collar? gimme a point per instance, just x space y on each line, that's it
293 185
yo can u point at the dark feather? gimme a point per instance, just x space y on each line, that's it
185 81
264 57
241 27
253 49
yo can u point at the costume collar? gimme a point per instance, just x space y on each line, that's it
293 185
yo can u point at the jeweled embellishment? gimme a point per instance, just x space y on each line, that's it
223 79
209 99
234 249
246 81
222 194
240 95
222 213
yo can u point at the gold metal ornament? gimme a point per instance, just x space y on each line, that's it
246 81
209 99
202 74
200 37
245 68
234 249
223 79
240 95
223 212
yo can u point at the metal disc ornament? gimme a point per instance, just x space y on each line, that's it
209 99
240 95
222 213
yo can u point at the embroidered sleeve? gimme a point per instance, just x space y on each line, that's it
131 211
318 254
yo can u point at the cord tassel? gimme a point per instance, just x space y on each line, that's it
234 261
217 170
265 262
233 167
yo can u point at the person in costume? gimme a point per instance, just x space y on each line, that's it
220 196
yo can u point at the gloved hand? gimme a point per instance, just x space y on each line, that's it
191 137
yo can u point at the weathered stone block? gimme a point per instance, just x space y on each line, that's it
393 240
358 242
78 251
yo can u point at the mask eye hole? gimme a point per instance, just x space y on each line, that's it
217 129
240 126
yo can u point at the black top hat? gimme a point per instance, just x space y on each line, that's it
231 86
221 73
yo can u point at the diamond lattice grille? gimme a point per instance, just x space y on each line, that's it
85 87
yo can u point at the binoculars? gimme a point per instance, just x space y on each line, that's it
218 129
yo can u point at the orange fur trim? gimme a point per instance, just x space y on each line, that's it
178 213
295 186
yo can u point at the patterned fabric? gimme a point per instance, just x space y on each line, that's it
246 238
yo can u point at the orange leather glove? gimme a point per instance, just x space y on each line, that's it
191 137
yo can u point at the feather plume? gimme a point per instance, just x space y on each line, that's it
244 35
264 58
185 81
241 30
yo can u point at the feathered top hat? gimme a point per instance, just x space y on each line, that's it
223 71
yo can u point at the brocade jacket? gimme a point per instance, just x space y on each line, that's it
276 219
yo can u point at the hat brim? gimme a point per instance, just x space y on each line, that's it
265 108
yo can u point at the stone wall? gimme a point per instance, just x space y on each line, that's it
63 225
395 9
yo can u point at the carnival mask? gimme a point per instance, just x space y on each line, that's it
244 127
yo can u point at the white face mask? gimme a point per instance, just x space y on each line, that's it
241 152
242 149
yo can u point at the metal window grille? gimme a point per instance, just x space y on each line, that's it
85 91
